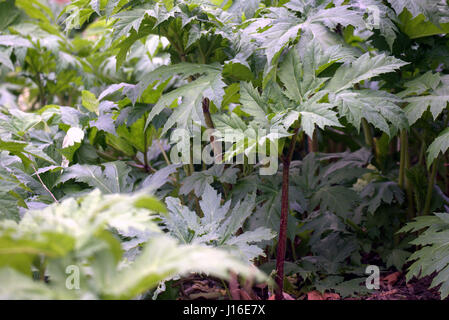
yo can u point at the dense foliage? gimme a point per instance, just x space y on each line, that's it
144 140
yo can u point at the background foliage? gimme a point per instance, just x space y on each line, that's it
91 91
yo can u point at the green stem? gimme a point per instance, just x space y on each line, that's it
447 174
432 178
42 183
226 289
422 152
402 164
210 125
145 147
42 268
202 55
367 133
292 242
187 170
164 154
409 187
40 85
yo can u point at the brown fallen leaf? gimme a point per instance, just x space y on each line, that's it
234 285
286 296
244 295
331 296
392 278
314 295
206 295
389 293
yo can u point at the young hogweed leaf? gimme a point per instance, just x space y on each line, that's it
299 75
111 6
429 8
111 177
326 185
89 101
380 192
17 286
5 59
364 68
244 7
381 17
163 258
312 113
79 232
74 223
105 121
429 90
95 4
198 181
252 103
218 226
420 85
378 108
331 17
330 198
282 26
439 145
19 123
14 41
300 78
8 183
434 253
209 84
158 179
71 143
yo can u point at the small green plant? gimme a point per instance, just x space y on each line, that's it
325 123
218 226
84 235
433 253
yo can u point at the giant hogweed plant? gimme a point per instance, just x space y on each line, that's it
301 70
82 236
300 101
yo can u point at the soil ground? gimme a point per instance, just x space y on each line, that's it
392 287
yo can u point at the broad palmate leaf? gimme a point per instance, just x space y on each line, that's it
434 253
439 145
218 226
207 84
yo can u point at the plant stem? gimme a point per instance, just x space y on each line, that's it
226 289
422 152
402 163
145 147
43 184
210 125
313 143
367 133
42 98
26 138
432 177
408 185
202 55
187 170
293 250
447 174
164 154
280 256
